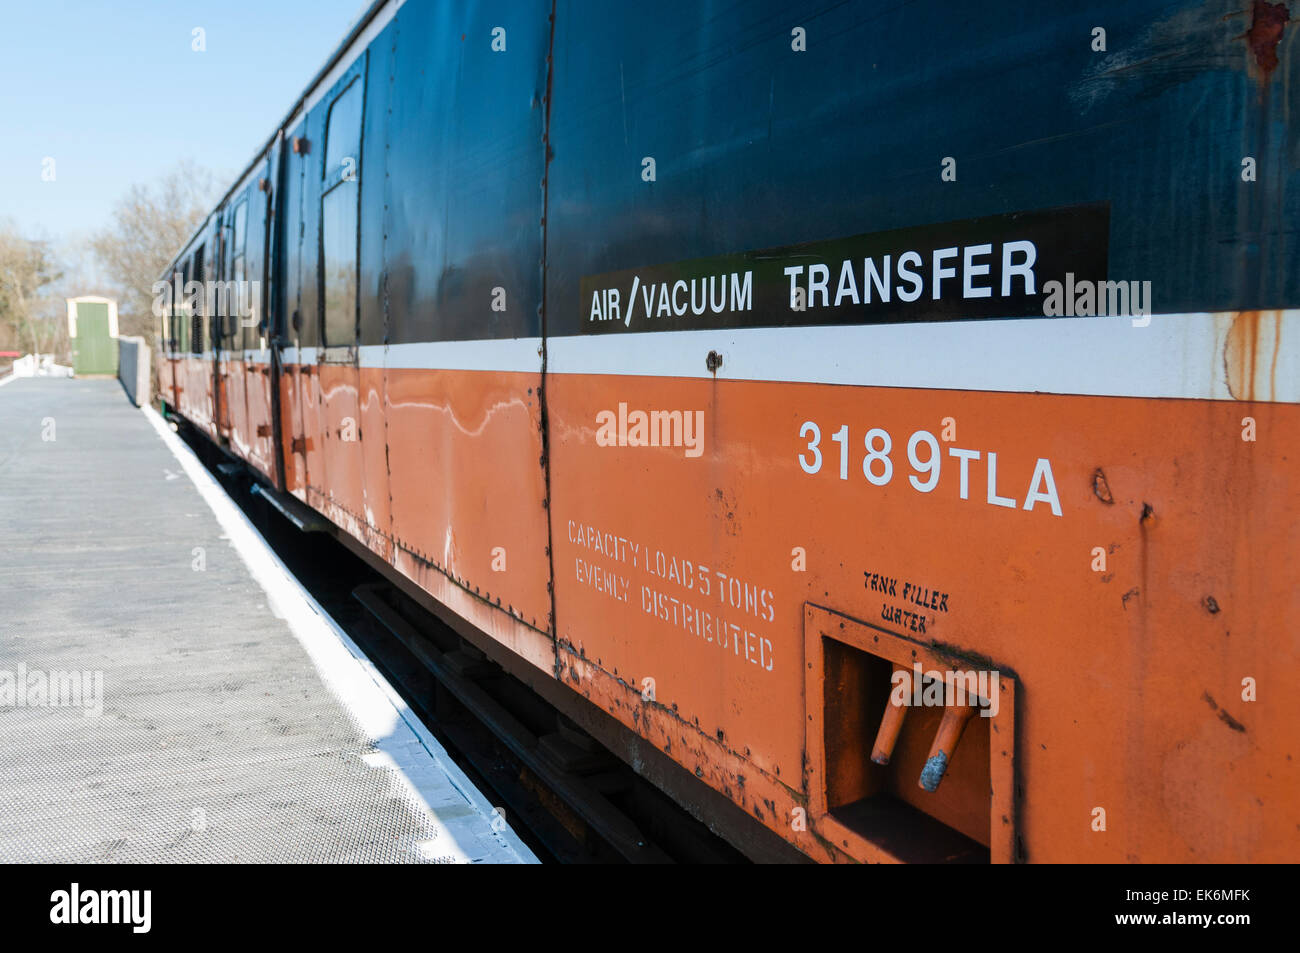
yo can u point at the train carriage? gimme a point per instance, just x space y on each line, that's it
882 415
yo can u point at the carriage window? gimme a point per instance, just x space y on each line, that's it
339 219
239 297
180 326
171 337
240 233
343 135
198 323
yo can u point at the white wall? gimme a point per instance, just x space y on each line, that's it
133 369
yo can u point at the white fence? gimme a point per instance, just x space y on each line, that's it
37 365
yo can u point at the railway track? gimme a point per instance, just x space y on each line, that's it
565 793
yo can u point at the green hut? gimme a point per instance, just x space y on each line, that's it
92 329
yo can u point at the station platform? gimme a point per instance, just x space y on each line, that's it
168 692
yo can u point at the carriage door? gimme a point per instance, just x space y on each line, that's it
175 339
239 312
338 353
220 319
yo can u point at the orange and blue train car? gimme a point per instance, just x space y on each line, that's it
882 418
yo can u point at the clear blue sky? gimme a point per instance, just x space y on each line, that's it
112 90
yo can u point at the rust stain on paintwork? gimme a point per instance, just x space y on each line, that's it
1101 487
1250 354
1268 22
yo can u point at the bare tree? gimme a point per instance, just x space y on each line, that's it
149 227
28 314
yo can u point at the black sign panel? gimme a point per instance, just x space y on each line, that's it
991 267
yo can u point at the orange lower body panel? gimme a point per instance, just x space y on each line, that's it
444 481
1126 561
259 439
167 378
194 392
741 587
